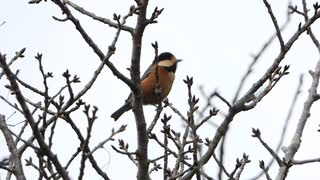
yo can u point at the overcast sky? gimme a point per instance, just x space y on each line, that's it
214 38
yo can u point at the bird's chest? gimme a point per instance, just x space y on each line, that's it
156 89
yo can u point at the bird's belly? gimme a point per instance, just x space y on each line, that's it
150 94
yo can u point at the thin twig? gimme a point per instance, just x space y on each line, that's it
110 138
311 34
18 55
12 105
73 157
91 119
221 98
265 170
2 23
257 134
175 110
275 23
154 121
221 165
98 18
85 148
129 154
245 160
301 162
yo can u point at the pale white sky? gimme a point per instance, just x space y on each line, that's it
214 38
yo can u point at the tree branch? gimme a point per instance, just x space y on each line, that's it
31 121
15 156
275 23
93 45
296 139
98 18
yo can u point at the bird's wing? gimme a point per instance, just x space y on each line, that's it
147 72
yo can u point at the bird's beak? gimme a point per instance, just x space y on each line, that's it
179 60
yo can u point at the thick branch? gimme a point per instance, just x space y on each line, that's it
15 156
142 134
296 139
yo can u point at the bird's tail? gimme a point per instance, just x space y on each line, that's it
121 110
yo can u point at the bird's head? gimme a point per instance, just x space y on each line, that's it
168 60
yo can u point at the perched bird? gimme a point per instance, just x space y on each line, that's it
155 84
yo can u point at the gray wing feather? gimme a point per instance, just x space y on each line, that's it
147 72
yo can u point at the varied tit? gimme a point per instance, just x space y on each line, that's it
154 87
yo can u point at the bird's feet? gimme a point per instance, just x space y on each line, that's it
159 108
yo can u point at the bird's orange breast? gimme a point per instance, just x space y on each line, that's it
149 85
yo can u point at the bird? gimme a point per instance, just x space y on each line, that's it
156 82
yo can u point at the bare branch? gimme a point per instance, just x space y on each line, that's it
17 167
275 23
212 112
273 80
278 59
301 162
19 138
93 45
12 105
28 86
155 14
311 34
141 129
285 125
40 169
101 19
110 138
220 165
238 105
296 139
60 19
29 118
18 55
155 120
91 119
255 59
265 169
215 93
2 23
129 154
245 160
257 134
167 103
73 157
181 147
